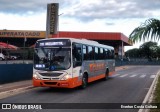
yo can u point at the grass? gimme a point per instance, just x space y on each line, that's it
157 92
156 95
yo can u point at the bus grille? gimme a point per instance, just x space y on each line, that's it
51 74
50 83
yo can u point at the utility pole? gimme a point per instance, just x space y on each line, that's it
58 23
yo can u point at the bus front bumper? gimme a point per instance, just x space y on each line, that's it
70 83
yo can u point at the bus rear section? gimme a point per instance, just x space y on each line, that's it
68 63
92 61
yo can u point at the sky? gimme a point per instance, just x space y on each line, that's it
80 15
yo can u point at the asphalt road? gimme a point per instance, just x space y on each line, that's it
126 86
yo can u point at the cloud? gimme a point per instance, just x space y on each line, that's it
113 9
29 6
18 22
20 6
86 10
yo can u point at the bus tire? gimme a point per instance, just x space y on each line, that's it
106 75
84 81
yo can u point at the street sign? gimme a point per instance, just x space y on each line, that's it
52 18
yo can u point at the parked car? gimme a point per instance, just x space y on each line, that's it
13 57
2 57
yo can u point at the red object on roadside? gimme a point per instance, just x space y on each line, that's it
8 46
32 46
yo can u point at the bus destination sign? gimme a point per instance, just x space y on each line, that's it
55 43
52 43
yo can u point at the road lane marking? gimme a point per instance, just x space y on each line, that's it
133 75
124 75
142 76
116 75
152 76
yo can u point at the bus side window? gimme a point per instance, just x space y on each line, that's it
101 54
91 52
112 54
77 54
106 54
96 53
85 52
109 54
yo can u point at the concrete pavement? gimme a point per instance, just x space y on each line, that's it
15 85
14 88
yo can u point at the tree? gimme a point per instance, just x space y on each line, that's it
148 30
133 53
158 52
149 50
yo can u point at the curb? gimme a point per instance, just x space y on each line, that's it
12 92
120 68
150 93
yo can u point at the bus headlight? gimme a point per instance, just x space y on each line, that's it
65 77
36 76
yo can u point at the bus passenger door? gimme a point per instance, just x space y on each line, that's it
77 60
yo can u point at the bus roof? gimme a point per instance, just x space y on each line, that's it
83 41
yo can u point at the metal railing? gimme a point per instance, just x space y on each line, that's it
23 55
137 61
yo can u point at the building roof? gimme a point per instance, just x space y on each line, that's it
95 36
108 38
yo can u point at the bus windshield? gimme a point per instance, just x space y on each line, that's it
52 59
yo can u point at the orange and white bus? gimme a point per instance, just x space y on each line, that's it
69 62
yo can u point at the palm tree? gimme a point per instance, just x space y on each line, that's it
150 30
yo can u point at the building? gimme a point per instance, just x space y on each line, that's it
22 38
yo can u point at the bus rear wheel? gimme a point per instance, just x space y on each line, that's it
106 75
84 81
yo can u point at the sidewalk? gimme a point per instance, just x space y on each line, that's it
28 83
15 85
121 68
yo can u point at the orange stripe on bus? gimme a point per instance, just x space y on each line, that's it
91 79
98 77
